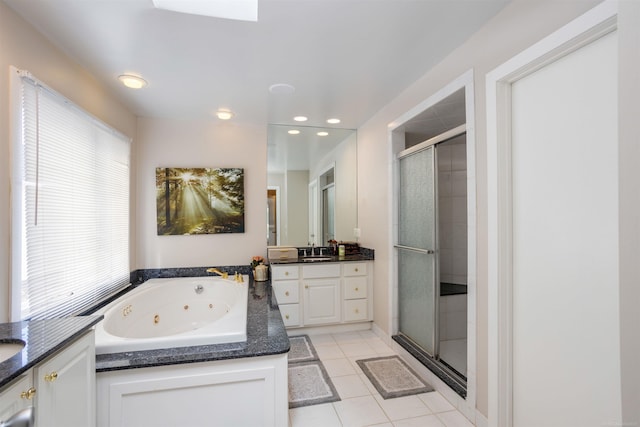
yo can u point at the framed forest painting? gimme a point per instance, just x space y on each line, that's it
199 200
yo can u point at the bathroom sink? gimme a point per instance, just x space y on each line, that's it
9 348
316 258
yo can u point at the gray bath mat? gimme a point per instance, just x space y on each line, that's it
301 349
392 377
309 384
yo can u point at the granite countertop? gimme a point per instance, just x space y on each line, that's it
43 338
266 335
331 258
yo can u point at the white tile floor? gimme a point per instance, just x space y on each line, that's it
361 404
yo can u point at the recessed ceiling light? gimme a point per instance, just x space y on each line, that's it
131 81
282 89
300 119
333 121
293 132
323 133
223 114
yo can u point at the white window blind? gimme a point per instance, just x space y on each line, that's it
70 206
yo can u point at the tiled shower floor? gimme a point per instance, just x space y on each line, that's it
361 404
454 353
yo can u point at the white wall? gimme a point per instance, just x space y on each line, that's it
27 49
200 143
515 28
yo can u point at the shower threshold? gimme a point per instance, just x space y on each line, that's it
448 375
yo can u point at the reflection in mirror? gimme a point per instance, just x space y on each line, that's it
312 185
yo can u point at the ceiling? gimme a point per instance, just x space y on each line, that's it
345 58
437 119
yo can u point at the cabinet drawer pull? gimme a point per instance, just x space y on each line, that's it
28 394
51 377
357 311
286 293
356 289
356 269
306 286
286 316
286 273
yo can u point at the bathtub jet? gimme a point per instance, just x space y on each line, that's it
177 312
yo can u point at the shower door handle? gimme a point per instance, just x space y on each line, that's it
423 251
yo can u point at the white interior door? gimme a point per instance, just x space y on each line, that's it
564 166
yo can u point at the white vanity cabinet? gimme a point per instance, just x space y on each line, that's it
61 389
356 290
321 303
323 293
17 396
66 386
285 284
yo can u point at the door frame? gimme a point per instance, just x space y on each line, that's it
275 188
583 30
396 142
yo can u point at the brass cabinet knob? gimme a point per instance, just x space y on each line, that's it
28 394
286 273
51 377
357 311
286 293
286 316
356 289
356 269
306 286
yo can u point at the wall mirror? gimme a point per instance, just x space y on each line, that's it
312 185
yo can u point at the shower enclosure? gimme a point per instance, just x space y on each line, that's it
431 254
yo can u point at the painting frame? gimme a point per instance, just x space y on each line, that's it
195 201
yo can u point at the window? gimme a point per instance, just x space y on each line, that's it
70 205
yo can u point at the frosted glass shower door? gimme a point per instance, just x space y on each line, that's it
417 298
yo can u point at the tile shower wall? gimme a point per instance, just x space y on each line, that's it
453 317
452 199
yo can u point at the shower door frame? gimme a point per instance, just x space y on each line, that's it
431 144
396 144
433 251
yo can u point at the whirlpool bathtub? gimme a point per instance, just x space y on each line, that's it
177 312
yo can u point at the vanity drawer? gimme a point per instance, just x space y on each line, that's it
355 269
320 271
284 272
290 314
286 291
355 287
355 309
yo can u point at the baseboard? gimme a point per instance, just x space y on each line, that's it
330 329
481 420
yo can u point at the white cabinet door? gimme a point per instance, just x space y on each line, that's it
355 287
321 301
284 272
65 385
17 396
355 310
286 291
290 314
